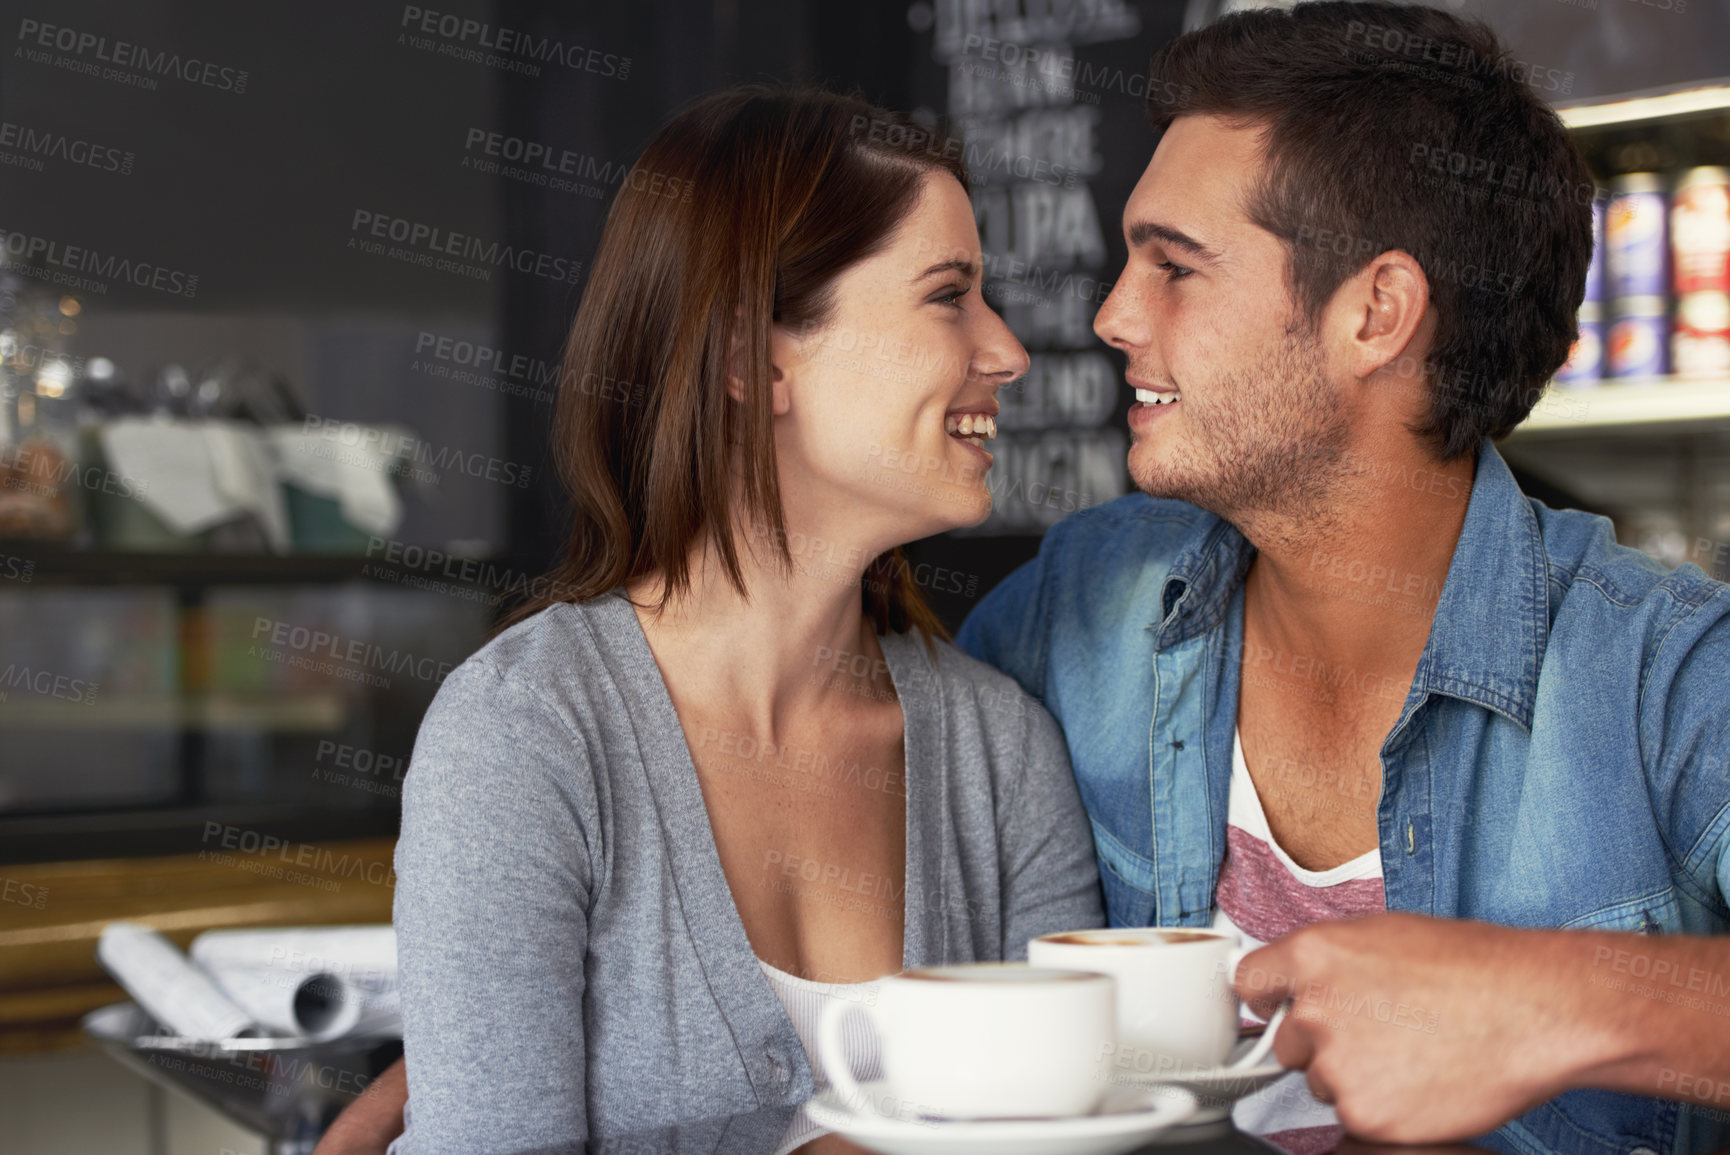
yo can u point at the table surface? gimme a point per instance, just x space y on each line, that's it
760 1133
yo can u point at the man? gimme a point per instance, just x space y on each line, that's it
1355 260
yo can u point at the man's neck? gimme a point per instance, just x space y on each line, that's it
1356 583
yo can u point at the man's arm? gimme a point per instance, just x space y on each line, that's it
368 1124
1430 1030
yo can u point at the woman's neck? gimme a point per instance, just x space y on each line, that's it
797 638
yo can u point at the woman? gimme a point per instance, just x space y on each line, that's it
730 767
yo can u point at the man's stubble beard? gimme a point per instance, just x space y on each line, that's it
1268 441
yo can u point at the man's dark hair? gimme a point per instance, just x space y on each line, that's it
1407 128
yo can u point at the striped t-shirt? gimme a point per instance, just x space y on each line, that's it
1262 896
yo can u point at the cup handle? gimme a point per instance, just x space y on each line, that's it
1264 1045
832 1051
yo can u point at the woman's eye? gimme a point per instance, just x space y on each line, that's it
1174 272
952 295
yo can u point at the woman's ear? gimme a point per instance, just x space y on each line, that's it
783 353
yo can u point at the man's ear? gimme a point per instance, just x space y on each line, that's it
1387 305
783 351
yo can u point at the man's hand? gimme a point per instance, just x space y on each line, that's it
1425 1030
367 1125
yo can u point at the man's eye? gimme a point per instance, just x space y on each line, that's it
1174 272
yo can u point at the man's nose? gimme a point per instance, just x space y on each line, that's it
1114 323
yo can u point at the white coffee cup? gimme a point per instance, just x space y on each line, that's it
1177 1013
983 1041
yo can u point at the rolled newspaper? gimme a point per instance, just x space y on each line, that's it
364 954
164 982
323 982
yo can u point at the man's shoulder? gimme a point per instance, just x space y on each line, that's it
1108 560
1605 598
1096 569
1106 551
1161 524
1585 560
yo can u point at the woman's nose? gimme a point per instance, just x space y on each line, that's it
1001 358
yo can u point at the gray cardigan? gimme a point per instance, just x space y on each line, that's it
572 962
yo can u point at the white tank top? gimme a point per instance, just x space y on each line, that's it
805 1002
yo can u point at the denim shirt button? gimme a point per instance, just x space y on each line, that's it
1642 1151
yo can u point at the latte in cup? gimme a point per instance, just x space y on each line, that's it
1114 938
1177 1013
983 1041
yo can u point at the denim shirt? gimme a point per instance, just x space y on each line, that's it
1562 757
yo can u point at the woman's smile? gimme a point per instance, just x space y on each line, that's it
973 428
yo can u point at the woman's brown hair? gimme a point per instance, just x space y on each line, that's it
741 212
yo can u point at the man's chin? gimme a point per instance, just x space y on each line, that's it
1160 476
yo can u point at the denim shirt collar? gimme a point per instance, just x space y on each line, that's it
1491 623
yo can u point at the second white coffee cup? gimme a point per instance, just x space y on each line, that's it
983 1041
1176 1011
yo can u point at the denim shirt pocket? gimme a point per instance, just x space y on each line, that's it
1129 881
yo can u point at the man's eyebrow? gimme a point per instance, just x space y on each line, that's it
1143 231
955 266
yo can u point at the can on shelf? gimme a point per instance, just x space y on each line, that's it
1700 231
1700 346
1634 237
1638 339
1595 270
1586 358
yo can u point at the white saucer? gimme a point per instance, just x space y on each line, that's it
1215 1088
1129 1117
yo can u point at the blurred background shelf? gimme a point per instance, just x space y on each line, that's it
57 564
316 713
1670 103
60 565
1652 406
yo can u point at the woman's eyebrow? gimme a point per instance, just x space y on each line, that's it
958 266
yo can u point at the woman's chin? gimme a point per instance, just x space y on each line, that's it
967 507
945 498
982 512
928 518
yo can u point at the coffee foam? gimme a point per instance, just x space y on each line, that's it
1151 937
